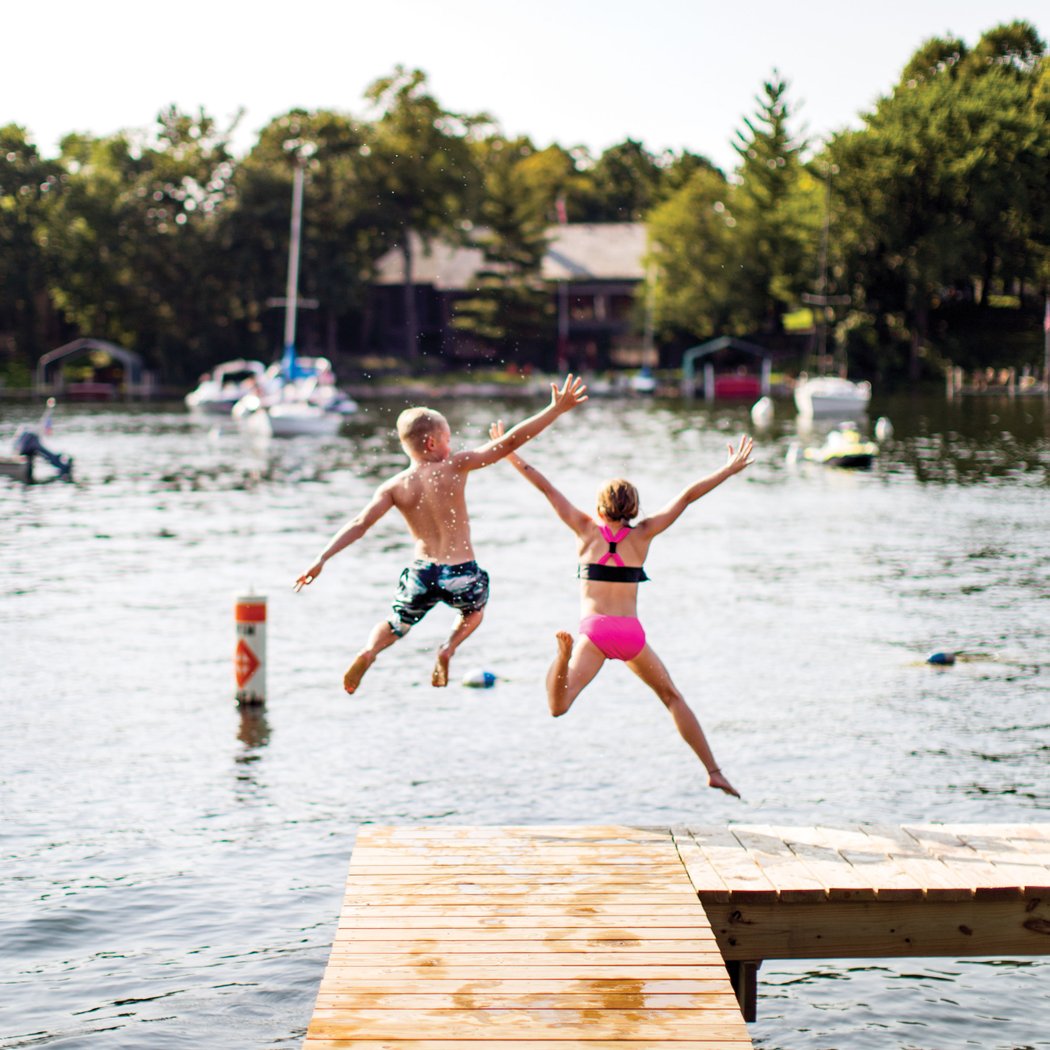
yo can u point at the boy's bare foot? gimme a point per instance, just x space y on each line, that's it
716 780
356 671
439 677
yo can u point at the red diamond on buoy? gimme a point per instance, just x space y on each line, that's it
245 662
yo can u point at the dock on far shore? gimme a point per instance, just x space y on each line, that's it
530 937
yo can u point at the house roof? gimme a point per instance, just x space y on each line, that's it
443 265
601 251
592 251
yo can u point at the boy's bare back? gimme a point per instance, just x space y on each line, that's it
431 497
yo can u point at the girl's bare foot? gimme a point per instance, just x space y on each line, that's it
439 677
716 780
564 640
356 671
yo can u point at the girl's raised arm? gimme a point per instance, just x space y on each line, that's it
571 515
737 460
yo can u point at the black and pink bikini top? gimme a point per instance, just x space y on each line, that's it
616 573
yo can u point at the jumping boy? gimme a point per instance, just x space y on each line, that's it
431 496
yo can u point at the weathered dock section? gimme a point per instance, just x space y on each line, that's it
517 938
869 892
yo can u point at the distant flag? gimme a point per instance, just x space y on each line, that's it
563 215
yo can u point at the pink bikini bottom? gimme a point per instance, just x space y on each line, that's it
617 637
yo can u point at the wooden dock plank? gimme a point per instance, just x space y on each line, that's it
965 863
790 877
455 925
611 987
700 870
936 878
375 999
871 865
554 1025
1011 863
816 851
591 970
500 935
737 868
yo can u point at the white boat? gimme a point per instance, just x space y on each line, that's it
831 396
218 391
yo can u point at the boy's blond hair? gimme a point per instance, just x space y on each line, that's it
618 500
415 425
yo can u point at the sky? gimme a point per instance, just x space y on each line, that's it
673 74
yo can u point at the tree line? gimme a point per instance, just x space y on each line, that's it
923 235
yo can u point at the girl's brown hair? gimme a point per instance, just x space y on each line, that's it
618 500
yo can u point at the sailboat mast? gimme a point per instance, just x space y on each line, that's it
291 294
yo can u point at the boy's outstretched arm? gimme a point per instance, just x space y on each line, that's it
570 514
737 460
563 399
351 532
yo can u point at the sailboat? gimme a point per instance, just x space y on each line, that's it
828 395
297 395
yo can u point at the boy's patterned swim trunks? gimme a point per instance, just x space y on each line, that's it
425 583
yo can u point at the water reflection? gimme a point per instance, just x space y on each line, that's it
253 732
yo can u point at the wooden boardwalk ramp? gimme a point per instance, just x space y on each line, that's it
523 938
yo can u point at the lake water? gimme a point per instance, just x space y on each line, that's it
172 866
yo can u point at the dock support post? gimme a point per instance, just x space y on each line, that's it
744 978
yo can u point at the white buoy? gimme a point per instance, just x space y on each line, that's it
249 655
762 412
883 429
479 679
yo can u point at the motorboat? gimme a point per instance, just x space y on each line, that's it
218 391
831 396
843 447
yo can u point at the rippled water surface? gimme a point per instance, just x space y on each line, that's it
172 866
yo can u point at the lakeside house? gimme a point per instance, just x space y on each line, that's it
595 273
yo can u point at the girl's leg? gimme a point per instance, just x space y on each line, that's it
382 637
465 626
574 667
650 669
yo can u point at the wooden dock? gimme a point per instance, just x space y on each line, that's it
546 938
516 938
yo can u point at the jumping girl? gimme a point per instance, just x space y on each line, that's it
612 554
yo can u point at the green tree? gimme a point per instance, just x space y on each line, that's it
693 261
133 233
28 184
626 182
510 308
774 254
421 170
946 184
